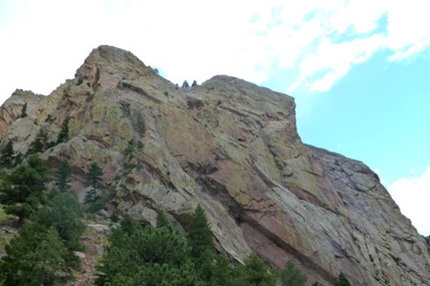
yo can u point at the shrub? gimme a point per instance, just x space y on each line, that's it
341 280
190 104
24 111
292 276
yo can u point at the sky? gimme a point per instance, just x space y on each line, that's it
359 70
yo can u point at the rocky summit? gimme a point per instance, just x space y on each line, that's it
232 147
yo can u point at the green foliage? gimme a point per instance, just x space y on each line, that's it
138 255
128 152
23 111
200 240
185 84
40 143
34 258
63 176
194 83
36 147
145 256
162 220
316 283
62 212
223 273
190 104
254 273
90 196
48 118
63 136
341 280
98 204
4 217
166 93
292 276
6 157
22 190
93 180
42 253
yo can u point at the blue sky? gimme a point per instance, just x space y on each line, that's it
359 69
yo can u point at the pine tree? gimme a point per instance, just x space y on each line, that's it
292 276
145 256
63 136
6 158
200 240
341 280
24 111
222 274
162 220
63 212
63 176
22 190
316 283
254 273
94 178
34 258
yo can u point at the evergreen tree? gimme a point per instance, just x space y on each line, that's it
22 190
63 136
128 152
145 256
316 283
162 220
24 111
200 241
63 176
36 146
63 212
34 258
194 83
222 273
254 273
292 276
94 180
341 280
6 158
185 84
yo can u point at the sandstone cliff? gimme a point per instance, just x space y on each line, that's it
232 147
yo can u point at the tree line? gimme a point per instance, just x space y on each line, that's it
50 225
163 255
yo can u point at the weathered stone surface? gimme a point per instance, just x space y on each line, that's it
232 147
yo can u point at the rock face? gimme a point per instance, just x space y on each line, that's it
232 147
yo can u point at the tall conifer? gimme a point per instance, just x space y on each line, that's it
200 241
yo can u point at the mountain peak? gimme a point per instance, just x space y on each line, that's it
231 147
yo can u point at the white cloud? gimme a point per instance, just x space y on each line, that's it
413 195
44 42
408 28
